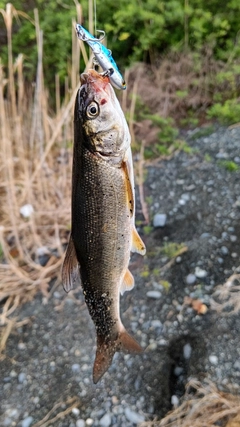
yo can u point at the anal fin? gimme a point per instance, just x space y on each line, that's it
70 268
128 282
137 243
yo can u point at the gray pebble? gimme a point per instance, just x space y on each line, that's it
233 238
190 279
224 250
187 351
199 273
159 220
154 294
178 371
76 367
21 377
105 421
182 202
80 423
156 324
133 417
27 422
237 365
213 359
204 235
185 197
220 260
174 400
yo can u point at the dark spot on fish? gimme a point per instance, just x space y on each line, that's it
103 101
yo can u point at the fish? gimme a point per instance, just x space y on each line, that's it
103 232
103 56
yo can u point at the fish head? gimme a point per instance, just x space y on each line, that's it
103 123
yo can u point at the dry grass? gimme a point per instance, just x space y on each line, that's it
35 164
203 406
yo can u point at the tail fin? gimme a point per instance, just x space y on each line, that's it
105 352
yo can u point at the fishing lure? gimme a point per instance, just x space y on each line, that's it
103 56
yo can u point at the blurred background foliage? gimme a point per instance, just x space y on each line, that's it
137 30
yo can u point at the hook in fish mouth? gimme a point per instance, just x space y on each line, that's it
92 76
107 73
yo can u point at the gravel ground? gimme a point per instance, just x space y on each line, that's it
50 360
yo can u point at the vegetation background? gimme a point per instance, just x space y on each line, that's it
182 66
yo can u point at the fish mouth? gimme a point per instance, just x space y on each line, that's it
95 79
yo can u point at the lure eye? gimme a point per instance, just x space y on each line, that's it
92 110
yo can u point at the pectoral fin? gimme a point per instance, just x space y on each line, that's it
70 268
137 243
128 282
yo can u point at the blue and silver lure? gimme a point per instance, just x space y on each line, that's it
103 57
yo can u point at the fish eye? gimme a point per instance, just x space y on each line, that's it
92 110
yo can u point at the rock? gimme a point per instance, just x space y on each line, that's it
26 210
213 359
105 421
185 197
89 421
156 324
159 220
199 273
204 235
21 346
224 250
76 367
21 377
178 370
27 422
75 411
174 400
133 417
154 294
233 238
80 423
237 365
190 279
187 351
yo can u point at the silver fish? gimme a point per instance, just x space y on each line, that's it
103 207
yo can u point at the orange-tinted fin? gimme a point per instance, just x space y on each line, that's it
70 268
129 193
106 351
137 243
128 282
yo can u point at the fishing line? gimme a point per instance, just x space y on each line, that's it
95 16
